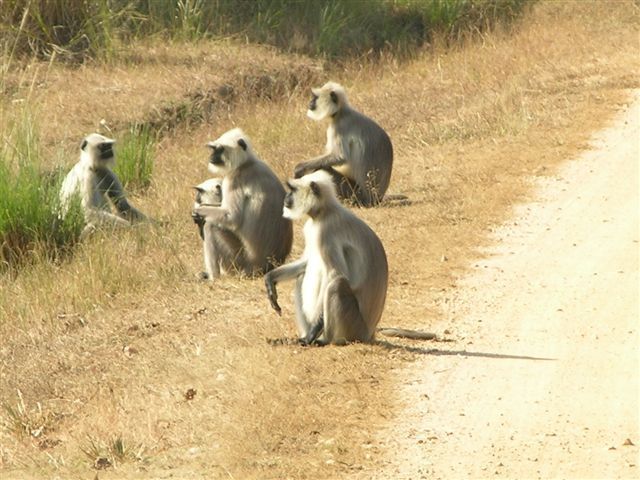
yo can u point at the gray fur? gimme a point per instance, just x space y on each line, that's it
247 232
102 195
344 266
359 153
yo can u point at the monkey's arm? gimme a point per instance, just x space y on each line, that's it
317 163
342 262
109 184
229 218
284 272
199 221
97 216
217 216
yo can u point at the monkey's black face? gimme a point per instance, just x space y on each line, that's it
312 103
105 151
296 200
288 198
216 156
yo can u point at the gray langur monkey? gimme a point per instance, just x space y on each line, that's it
358 153
99 188
247 231
341 279
208 192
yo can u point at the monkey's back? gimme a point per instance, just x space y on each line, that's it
265 233
368 146
366 260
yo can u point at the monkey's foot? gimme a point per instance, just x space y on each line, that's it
278 342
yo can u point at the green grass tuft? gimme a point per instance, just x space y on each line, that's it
29 202
134 157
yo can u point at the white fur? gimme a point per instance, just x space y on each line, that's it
210 192
233 155
82 181
316 274
217 170
230 138
304 198
89 156
248 216
325 107
339 248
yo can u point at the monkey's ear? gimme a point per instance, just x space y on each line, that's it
84 144
334 97
315 188
242 144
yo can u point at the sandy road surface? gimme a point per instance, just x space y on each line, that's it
543 381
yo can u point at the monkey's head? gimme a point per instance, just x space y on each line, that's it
326 101
209 192
308 195
97 151
229 152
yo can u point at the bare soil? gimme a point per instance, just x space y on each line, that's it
544 381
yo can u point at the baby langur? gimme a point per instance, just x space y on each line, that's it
246 232
341 279
208 192
358 153
99 188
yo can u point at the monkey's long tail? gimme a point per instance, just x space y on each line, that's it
405 333
395 199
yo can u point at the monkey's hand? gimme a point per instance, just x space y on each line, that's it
300 170
272 294
197 218
314 332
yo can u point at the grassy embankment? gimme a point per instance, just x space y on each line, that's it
98 31
100 352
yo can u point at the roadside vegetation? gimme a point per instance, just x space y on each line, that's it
78 30
29 205
98 30
31 227
135 156
115 361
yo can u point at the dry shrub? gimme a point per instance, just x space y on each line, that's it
123 341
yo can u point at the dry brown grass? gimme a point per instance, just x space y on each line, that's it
97 352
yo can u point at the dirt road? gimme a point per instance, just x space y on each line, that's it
543 380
